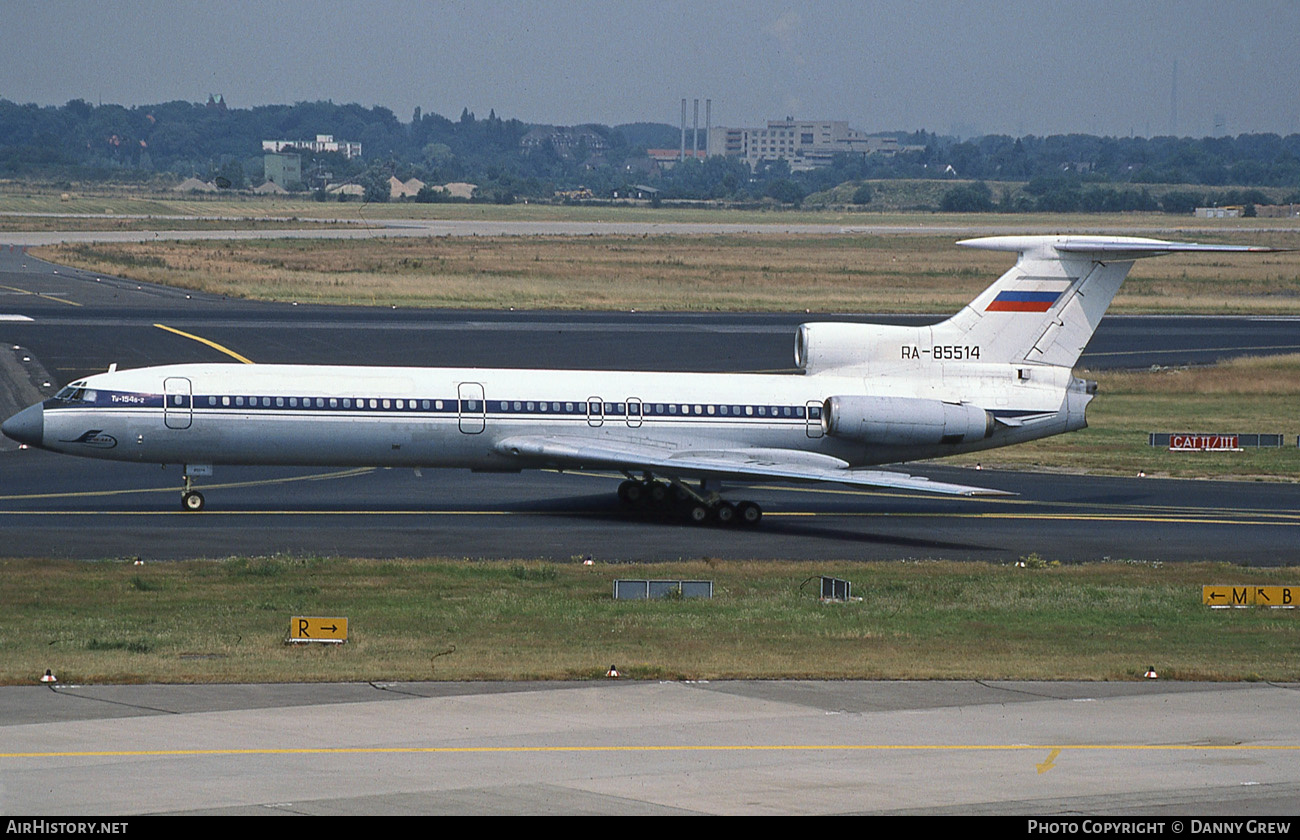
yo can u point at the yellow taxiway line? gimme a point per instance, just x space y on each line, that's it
1054 749
39 295
201 340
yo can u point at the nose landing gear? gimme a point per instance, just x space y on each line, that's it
192 500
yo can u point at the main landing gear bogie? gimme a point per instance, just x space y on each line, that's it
671 497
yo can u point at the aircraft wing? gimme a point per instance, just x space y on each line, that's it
740 464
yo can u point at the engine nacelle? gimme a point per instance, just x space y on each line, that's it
900 421
825 346
833 345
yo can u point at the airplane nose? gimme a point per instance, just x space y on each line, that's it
27 426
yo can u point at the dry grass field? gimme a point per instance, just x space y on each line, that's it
902 272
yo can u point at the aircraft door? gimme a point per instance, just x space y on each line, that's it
178 402
812 413
472 407
634 411
595 411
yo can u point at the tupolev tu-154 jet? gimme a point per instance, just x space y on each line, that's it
999 372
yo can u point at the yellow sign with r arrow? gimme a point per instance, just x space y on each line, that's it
317 629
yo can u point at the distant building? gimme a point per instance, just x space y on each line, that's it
803 144
640 192
1231 211
322 143
668 158
283 169
567 141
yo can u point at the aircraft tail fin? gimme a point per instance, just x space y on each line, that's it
1046 308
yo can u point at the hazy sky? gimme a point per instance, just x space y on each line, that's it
1014 67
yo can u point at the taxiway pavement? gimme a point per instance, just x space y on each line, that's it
638 748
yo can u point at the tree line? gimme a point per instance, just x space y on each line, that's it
81 141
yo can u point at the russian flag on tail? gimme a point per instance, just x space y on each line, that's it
1013 301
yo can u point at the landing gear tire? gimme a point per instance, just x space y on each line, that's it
631 492
192 501
725 513
658 493
748 514
698 514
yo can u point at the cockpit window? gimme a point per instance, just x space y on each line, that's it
76 393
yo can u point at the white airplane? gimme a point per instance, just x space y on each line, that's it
999 372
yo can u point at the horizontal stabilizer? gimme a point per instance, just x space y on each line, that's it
1100 247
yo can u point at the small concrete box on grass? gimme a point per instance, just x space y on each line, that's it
640 590
834 589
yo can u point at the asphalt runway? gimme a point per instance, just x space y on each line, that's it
1118 750
66 323
52 505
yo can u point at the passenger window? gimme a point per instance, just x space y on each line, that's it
279 402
